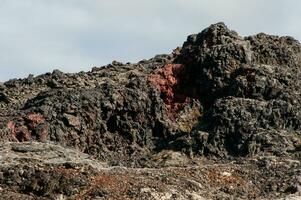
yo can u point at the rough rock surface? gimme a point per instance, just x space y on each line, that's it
219 118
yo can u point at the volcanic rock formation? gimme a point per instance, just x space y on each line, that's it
219 118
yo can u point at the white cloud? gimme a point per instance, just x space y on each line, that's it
38 35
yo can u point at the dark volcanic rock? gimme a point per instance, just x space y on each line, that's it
4 98
248 88
223 111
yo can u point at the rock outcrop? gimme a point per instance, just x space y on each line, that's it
219 118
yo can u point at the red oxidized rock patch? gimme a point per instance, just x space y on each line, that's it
35 118
30 127
168 80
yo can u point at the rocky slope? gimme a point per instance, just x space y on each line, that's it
219 118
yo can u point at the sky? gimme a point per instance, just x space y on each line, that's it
38 36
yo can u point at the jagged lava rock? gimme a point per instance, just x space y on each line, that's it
222 99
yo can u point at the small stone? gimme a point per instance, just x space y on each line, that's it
53 84
226 174
4 98
72 121
57 73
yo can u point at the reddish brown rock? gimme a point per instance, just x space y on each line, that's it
168 80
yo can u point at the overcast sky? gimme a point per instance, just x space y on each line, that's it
37 36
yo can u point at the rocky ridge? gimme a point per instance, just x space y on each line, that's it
219 118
